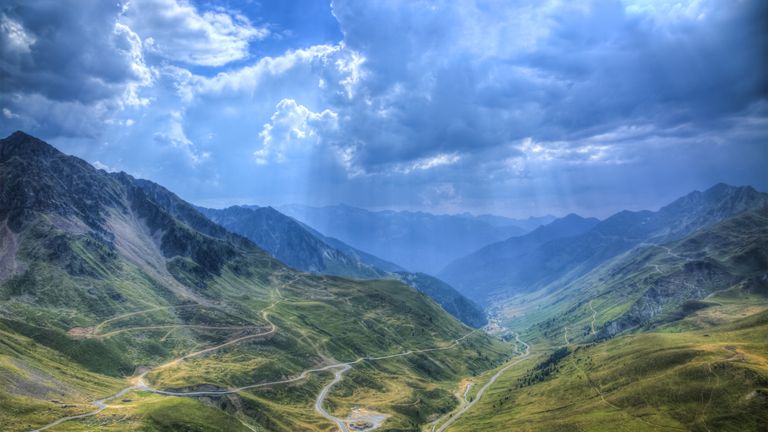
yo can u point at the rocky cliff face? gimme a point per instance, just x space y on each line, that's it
673 281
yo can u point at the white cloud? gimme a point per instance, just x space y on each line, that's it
14 37
248 78
7 113
129 43
292 131
579 152
427 163
178 31
668 10
175 137
351 68
102 166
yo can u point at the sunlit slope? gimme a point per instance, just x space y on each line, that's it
106 277
714 379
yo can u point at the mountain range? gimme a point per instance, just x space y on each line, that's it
416 241
556 254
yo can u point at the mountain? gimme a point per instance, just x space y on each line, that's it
446 296
497 266
558 261
125 307
657 283
416 241
667 335
527 224
710 378
288 241
306 249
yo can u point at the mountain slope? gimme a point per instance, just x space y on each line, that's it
527 224
497 266
118 283
709 379
665 336
446 296
416 241
288 241
306 249
655 284
557 262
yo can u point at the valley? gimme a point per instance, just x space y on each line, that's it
383 216
132 310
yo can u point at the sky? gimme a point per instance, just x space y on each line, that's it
516 108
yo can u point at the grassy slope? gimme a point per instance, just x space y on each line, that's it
86 285
700 380
38 384
702 365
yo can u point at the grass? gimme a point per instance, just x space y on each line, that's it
707 379
39 384
321 320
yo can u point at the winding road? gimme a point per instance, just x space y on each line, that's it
594 316
482 390
138 382
337 376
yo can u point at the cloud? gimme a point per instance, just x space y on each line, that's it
178 31
476 103
13 37
250 77
466 76
102 166
173 136
427 163
293 131
65 68
67 53
9 114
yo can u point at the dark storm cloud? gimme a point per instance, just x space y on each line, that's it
67 50
443 77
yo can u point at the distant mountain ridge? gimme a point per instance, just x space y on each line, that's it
306 249
562 259
527 224
416 241
494 266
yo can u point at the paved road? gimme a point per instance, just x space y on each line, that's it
138 381
337 376
139 384
482 390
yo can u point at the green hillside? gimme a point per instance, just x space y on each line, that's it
305 249
712 379
670 336
651 285
111 283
